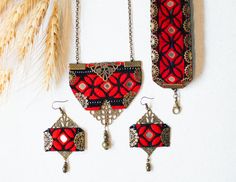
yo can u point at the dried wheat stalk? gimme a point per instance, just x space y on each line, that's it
52 63
5 77
19 11
33 26
66 28
3 5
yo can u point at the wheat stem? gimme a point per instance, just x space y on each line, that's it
52 47
5 77
33 26
66 28
3 5
20 10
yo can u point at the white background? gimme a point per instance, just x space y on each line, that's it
203 135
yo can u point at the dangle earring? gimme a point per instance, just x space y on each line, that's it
64 137
149 133
171 41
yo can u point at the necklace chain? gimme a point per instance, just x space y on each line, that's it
77 31
131 45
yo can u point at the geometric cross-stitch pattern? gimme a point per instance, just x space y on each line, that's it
64 137
113 82
171 41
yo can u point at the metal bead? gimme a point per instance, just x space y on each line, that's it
106 142
65 167
148 167
105 145
148 164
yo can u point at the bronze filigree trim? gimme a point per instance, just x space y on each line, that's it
72 77
82 99
149 150
165 136
133 137
47 141
65 122
80 141
149 117
104 70
65 154
187 25
128 98
106 114
138 75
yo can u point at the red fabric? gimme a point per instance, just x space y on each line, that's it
96 90
171 18
149 135
63 139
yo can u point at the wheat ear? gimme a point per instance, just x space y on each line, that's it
3 5
5 77
33 26
20 10
52 63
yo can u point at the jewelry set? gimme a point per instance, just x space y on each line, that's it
105 89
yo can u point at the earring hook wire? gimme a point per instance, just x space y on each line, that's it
145 104
56 108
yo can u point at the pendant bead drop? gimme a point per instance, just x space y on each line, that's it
106 143
148 165
65 167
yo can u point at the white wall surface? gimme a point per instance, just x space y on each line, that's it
203 136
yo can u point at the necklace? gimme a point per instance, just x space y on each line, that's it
105 89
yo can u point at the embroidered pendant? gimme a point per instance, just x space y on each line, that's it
105 89
149 133
64 137
171 41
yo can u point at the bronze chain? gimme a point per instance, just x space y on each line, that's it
131 45
77 31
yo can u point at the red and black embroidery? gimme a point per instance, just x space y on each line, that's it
149 135
117 83
171 43
64 139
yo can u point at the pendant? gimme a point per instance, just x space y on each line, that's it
106 89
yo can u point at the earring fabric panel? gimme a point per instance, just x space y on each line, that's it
64 139
149 135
